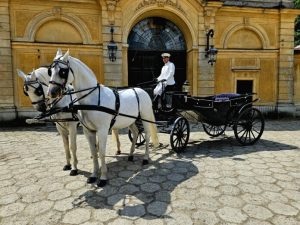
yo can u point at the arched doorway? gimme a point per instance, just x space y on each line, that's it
147 40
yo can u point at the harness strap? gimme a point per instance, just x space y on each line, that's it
138 101
98 86
117 106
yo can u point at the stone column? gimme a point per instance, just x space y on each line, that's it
286 62
112 18
206 81
7 102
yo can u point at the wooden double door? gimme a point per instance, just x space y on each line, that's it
145 65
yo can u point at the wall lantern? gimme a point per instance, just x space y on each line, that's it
112 47
210 51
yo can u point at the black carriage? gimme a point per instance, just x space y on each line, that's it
215 113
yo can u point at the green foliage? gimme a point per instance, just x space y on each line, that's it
297 24
297 4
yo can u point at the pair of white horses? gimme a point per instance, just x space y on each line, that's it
66 70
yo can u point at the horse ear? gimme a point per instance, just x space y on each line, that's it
66 56
33 75
59 52
21 74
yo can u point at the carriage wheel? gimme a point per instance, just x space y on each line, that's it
141 136
180 134
249 126
213 131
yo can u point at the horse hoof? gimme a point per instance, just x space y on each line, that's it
118 153
74 172
91 180
101 183
67 167
145 162
130 158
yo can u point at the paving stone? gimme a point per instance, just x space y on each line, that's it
207 203
233 215
283 209
75 185
104 215
157 208
229 190
7 199
59 194
257 222
205 218
77 216
257 212
280 220
232 201
64 205
37 208
150 187
11 209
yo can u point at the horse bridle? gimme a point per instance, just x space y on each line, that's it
37 90
63 72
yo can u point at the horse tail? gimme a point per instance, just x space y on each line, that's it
153 131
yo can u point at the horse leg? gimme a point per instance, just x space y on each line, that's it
147 138
102 139
115 135
73 147
134 130
91 138
65 139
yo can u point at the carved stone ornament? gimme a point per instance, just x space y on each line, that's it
56 10
160 3
111 8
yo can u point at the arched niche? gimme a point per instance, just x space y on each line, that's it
48 20
56 31
241 36
244 39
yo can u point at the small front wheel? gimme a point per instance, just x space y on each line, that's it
141 135
212 130
180 134
249 126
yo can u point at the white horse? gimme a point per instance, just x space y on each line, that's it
36 87
133 102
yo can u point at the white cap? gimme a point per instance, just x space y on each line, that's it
166 55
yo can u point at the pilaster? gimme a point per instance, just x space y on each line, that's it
206 80
286 61
7 104
112 19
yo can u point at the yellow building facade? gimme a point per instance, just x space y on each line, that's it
255 42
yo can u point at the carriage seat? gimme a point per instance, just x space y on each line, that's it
225 97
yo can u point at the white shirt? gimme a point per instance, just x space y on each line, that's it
167 73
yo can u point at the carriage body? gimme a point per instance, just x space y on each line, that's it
215 110
215 113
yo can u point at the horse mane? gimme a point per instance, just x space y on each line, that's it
85 67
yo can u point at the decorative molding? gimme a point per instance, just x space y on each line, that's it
160 3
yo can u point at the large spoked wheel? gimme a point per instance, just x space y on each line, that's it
212 130
141 136
180 134
249 126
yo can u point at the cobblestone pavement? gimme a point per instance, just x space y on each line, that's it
215 181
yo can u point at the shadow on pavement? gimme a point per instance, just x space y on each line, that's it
139 191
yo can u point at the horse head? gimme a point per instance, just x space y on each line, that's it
35 89
60 76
